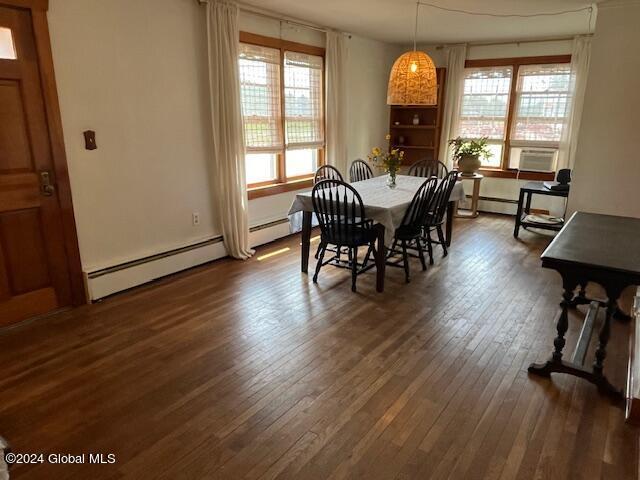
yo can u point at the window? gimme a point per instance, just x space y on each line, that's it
282 108
484 108
517 104
542 106
261 113
7 48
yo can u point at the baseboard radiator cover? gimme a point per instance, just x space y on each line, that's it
123 276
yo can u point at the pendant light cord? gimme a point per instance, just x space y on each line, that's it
415 30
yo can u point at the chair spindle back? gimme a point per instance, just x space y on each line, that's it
326 172
428 168
339 209
359 171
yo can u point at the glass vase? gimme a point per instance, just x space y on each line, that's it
391 179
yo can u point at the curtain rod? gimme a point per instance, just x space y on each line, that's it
261 12
510 42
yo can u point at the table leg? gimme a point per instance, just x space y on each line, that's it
516 229
475 198
527 209
599 379
306 240
381 257
545 369
556 364
451 208
605 333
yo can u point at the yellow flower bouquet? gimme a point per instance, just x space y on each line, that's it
389 161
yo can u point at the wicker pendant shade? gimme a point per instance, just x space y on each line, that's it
413 80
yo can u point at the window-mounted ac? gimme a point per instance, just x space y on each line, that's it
538 159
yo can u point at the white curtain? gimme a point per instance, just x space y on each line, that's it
580 57
228 172
336 114
453 94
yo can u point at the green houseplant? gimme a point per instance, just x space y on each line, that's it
468 154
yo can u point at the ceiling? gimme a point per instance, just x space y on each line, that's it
393 20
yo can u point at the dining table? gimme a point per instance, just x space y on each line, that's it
384 205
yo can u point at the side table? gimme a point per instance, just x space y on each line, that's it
524 206
473 213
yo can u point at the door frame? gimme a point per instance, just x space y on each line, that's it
40 26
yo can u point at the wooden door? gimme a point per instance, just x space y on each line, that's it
34 273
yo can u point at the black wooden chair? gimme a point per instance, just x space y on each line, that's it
436 216
327 172
410 231
360 170
343 224
428 168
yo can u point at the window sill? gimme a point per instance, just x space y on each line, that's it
276 188
500 173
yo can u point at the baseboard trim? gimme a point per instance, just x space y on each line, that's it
123 276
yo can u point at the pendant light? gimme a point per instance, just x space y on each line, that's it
413 78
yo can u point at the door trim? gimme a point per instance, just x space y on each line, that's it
42 5
40 26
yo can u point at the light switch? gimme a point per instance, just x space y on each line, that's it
90 140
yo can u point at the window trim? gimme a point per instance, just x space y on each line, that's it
282 183
515 62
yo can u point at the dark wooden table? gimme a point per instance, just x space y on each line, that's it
524 206
603 249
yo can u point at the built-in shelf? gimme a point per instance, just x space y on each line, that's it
421 141
416 127
414 147
415 106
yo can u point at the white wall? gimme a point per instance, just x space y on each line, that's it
607 171
135 72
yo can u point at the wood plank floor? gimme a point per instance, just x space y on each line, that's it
249 370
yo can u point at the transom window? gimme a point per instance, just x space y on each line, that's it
7 47
517 104
281 91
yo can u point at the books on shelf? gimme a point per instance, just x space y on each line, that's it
542 219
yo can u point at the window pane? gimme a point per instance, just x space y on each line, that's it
544 98
303 99
494 160
261 167
301 162
485 102
7 49
260 97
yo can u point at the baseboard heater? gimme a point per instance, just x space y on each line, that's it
122 276
153 258
495 199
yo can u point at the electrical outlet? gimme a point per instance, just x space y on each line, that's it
195 217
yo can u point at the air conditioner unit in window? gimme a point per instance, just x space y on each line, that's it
538 159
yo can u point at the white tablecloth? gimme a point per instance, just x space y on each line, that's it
381 203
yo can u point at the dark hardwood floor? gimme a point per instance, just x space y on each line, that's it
249 370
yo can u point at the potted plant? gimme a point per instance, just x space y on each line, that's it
468 153
389 161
